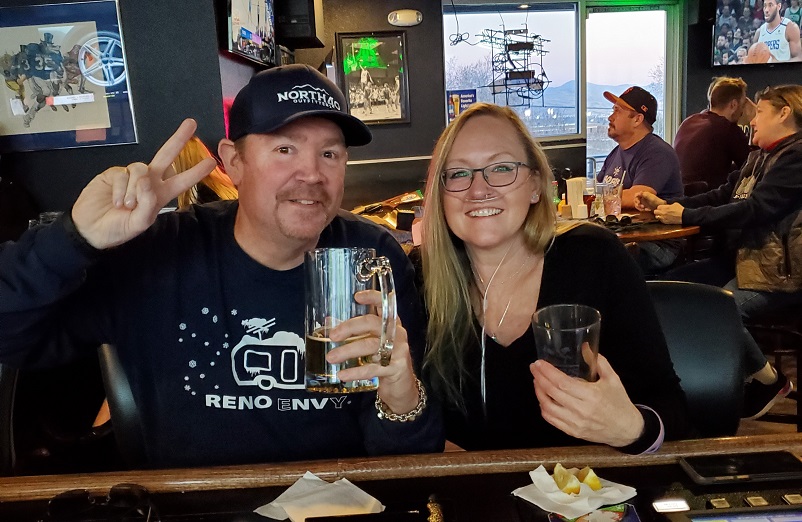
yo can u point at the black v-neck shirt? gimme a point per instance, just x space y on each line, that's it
587 265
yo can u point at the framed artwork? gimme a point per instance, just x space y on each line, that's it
65 79
373 75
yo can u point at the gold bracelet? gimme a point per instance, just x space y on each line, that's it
384 412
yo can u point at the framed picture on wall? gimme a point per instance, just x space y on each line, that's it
65 77
373 75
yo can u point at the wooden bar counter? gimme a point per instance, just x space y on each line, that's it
382 475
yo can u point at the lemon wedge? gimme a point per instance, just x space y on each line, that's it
587 476
565 480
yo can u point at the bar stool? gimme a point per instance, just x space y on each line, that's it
781 335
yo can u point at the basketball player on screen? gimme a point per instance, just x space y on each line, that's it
780 35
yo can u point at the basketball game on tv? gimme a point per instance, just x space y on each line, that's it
251 30
757 31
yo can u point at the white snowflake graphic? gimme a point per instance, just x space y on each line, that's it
217 353
186 377
234 312
192 364
214 318
187 387
193 393
182 326
194 335
203 376
225 345
226 336
206 343
216 386
205 311
180 339
211 363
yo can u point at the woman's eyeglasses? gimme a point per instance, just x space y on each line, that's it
501 174
124 502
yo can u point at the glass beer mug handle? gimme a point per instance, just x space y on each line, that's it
381 267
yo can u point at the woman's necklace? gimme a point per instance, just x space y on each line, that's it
485 288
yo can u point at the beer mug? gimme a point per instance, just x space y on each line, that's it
332 276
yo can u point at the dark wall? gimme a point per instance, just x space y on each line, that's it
172 52
368 181
700 72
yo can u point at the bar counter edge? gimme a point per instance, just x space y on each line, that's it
384 468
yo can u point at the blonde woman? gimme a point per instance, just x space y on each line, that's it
491 256
214 187
760 209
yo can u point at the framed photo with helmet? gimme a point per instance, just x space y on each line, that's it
372 72
65 78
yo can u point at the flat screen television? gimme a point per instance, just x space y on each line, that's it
756 32
251 30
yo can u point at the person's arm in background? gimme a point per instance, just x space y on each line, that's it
794 43
773 197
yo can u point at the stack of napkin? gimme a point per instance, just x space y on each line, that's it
312 496
545 494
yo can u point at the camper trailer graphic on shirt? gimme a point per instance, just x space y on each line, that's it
266 361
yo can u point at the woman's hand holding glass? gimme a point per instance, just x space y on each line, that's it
594 411
397 385
669 214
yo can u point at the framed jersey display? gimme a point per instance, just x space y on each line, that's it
372 72
65 81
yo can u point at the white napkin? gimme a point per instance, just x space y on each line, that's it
545 494
312 496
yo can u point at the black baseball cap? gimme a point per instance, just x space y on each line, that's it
637 99
278 96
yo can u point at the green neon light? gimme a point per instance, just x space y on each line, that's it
362 54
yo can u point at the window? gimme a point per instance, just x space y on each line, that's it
481 54
523 58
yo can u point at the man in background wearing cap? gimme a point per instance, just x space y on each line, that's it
643 162
206 308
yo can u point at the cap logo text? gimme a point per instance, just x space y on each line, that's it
308 94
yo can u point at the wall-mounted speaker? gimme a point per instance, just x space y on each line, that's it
299 23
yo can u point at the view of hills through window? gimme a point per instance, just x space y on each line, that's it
613 64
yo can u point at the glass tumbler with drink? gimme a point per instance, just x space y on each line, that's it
567 336
332 276
612 199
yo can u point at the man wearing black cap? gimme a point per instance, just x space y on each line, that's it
206 306
643 162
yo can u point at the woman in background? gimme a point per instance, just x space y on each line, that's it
491 256
214 187
760 210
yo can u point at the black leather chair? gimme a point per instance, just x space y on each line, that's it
8 385
705 337
124 413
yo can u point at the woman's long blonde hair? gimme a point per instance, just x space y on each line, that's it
446 266
217 181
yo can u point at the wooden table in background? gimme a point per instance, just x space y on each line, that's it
651 230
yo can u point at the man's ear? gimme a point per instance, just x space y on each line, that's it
232 162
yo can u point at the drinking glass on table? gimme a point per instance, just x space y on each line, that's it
332 277
612 200
567 336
